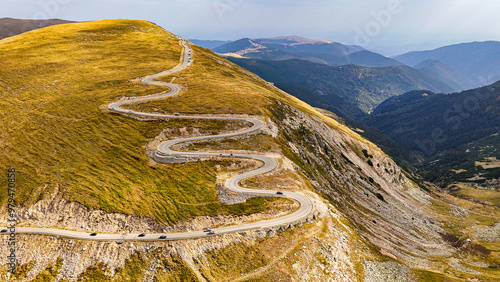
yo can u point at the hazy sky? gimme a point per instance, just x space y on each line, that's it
382 25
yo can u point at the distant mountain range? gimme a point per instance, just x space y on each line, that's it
476 63
10 27
210 44
350 91
351 81
441 133
294 47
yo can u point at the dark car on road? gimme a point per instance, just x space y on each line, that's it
142 235
162 237
93 234
279 193
3 231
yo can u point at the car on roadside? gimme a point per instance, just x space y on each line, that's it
93 234
176 115
211 232
162 237
3 231
207 229
141 235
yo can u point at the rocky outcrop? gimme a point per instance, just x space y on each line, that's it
489 234
170 159
365 185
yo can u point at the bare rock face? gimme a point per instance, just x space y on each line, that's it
57 211
170 159
365 185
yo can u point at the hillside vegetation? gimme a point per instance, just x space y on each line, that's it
350 91
478 62
445 133
372 221
57 137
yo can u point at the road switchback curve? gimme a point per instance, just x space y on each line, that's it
164 150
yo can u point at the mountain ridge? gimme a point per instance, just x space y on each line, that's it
294 47
440 69
478 61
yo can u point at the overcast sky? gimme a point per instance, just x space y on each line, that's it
388 26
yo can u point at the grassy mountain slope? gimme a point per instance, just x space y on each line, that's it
10 27
351 89
371 216
439 128
55 134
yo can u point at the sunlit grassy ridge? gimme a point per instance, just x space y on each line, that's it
53 82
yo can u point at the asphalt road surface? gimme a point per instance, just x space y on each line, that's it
306 204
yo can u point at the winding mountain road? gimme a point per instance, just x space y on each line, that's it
163 150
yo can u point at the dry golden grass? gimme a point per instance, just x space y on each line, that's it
53 82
